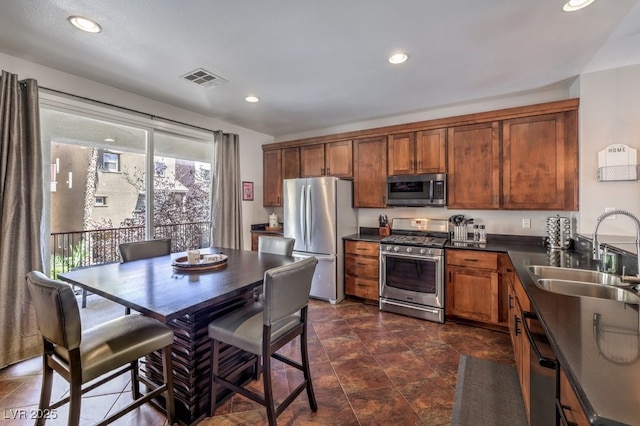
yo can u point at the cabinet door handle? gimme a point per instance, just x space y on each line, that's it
510 300
542 360
328 171
471 260
322 171
516 321
362 264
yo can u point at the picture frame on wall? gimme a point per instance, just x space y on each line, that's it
247 191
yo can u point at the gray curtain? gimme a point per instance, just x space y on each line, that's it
21 212
226 220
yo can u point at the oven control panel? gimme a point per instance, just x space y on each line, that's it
415 251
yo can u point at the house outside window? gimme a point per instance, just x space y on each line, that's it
100 201
110 162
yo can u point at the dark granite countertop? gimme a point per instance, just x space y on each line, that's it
363 237
597 341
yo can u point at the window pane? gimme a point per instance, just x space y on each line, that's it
182 189
98 173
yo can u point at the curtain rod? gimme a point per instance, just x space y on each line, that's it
151 116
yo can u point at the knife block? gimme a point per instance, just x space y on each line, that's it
384 231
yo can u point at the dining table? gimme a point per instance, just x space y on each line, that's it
187 300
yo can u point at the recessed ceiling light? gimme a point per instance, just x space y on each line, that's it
398 58
252 99
573 5
85 24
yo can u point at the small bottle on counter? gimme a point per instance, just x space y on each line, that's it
476 233
482 235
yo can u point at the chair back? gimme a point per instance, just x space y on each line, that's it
276 245
56 309
144 249
287 288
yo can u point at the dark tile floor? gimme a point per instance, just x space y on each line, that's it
368 367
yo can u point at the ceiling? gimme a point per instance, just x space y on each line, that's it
318 64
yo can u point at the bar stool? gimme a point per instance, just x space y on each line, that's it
79 356
276 245
264 328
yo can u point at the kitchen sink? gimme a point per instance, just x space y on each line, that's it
588 289
581 275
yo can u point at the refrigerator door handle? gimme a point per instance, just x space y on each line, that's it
307 221
303 223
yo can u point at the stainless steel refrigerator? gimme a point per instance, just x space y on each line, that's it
318 212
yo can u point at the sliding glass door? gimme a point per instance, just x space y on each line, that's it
100 194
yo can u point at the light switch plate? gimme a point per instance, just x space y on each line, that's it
526 223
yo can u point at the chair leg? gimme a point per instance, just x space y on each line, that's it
135 380
127 311
84 298
268 389
45 392
305 365
258 367
167 367
215 348
75 397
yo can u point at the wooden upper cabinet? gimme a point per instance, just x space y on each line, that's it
291 163
312 160
417 152
370 172
540 162
402 154
431 150
339 159
474 166
272 178
327 159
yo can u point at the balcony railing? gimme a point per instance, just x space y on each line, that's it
76 249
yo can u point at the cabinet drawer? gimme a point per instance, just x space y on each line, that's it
364 248
472 259
361 287
362 266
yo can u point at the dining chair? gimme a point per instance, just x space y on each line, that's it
138 250
276 245
262 329
103 352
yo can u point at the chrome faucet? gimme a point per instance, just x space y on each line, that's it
596 243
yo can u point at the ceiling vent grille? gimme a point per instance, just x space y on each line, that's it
204 78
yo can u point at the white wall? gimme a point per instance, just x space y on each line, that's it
250 141
609 114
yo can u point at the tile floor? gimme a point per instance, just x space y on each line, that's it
368 367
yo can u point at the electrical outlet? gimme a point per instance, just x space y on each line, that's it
526 223
607 210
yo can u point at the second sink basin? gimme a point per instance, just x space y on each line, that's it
586 289
569 274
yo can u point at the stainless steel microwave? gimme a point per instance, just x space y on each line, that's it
417 190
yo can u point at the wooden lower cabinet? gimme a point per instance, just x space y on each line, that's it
474 288
362 270
569 403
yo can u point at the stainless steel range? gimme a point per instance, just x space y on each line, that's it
412 268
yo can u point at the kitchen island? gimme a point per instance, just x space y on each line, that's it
187 302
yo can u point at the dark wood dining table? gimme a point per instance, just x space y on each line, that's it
187 302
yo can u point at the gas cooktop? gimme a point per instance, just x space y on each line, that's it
415 240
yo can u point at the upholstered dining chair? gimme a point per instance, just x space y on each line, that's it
80 356
138 250
262 329
276 245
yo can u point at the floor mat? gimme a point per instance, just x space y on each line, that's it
487 394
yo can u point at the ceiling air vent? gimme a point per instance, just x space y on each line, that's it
204 78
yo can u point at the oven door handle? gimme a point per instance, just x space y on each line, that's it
434 258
